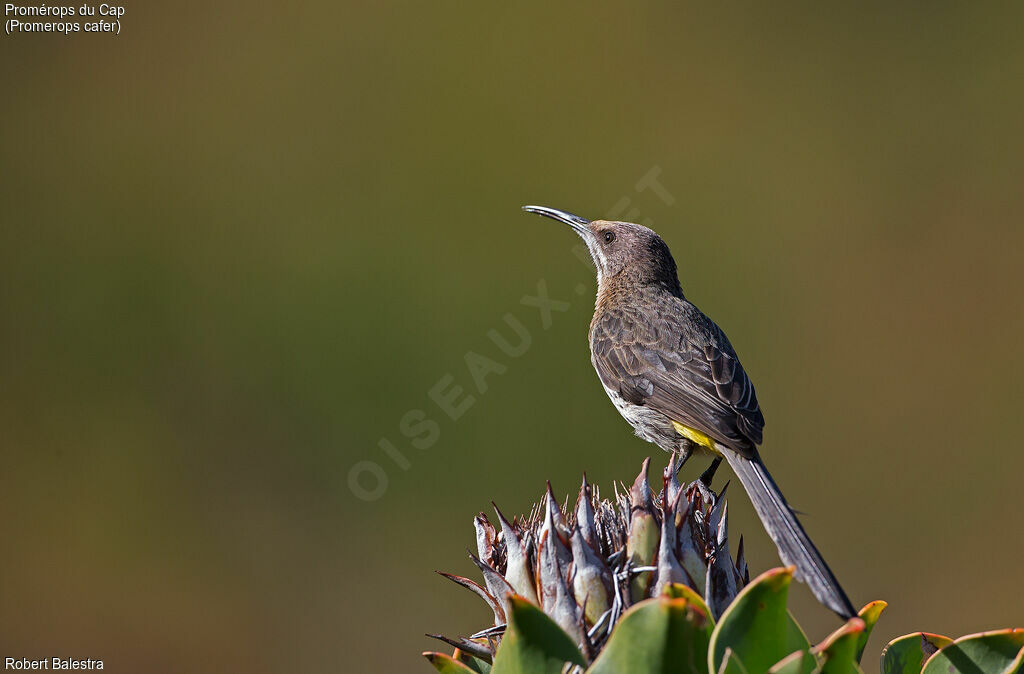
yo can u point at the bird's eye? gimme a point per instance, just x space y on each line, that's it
609 237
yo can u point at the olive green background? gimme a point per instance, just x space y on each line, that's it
240 242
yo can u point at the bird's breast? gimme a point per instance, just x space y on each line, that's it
647 423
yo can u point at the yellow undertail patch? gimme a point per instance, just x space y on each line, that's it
693 435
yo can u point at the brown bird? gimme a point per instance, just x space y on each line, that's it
674 376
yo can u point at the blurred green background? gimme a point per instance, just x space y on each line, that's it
239 243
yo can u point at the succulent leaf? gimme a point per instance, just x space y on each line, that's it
907 654
869 614
475 664
658 636
533 643
800 662
756 626
680 591
1017 666
838 651
997 652
731 663
446 664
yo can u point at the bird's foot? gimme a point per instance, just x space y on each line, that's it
707 496
708 475
682 456
703 483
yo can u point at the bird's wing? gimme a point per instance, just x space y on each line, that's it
689 373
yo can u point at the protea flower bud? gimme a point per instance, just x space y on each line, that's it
585 567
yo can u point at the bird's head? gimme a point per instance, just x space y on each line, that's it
622 251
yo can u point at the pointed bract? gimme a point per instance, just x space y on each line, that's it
554 523
722 579
592 581
669 568
474 587
497 586
692 552
518 571
585 514
485 536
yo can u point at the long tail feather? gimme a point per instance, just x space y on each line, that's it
795 547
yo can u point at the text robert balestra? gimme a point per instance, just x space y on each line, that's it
56 663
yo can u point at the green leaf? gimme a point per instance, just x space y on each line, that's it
731 664
474 663
756 626
796 633
680 591
658 635
998 652
869 614
839 650
446 664
533 643
1017 666
801 662
906 654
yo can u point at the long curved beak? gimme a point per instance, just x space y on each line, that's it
576 222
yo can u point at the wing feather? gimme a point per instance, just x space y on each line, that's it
699 382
